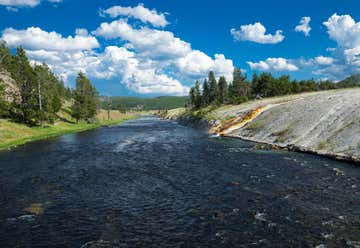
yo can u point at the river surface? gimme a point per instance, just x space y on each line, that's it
154 183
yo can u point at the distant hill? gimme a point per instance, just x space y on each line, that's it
162 102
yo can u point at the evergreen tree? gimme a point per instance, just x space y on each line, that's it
6 59
26 108
255 84
281 86
223 90
264 86
50 91
240 89
213 88
206 93
308 85
85 99
192 96
295 87
197 95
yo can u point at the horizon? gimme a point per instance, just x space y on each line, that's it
122 46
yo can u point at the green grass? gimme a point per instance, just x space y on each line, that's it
14 134
254 125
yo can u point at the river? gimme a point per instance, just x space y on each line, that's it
154 183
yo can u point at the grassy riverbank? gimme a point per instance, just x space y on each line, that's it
14 134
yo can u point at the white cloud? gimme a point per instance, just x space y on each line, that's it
20 3
223 66
150 42
256 33
195 62
165 50
142 78
273 64
148 61
304 26
12 5
114 63
39 55
139 12
322 60
37 39
346 32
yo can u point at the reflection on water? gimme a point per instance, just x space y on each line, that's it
153 183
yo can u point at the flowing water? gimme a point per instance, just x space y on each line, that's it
154 183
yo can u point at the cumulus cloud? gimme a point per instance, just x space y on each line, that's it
256 33
146 60
304 26
139 12
164 49
150 42
273 64
149 61
36 39
346 32
196 64
114 62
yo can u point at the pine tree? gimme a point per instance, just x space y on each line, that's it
213 88
26 109
240 89
86 99
255 85
197 95
192 96
295 87
50 91
6 59
223 90
206 93
265 84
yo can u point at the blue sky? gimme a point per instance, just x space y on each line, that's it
133 53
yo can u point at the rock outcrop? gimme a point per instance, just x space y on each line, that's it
11 90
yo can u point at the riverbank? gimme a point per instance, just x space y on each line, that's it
15 134
324 123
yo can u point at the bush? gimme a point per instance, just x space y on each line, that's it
238 99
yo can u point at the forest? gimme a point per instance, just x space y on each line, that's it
38 94
217 92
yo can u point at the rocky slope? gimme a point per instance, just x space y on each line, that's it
11 89
326 123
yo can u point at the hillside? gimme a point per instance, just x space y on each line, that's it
14 131
162 102
326 123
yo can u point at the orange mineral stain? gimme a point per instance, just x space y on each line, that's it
240 122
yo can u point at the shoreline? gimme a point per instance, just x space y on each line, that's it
56 130
212 125
294 148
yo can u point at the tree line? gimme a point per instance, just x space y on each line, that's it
217 92
38 94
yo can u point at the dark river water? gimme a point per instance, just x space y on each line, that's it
154 183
